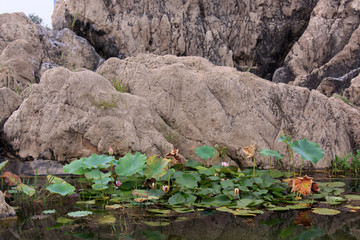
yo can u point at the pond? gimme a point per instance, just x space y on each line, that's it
151 222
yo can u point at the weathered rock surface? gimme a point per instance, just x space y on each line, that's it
9 102
353 92
28 49
249 34
74 114
329 47
184 102
5 209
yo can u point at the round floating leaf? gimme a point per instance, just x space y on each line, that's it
113 207
156 167
159 211
183 210
205 152
107 219
63 220
50 211
298 206
353 197
280 208
156 224
75 167
2 165
61 188
325 211
131 164
26 189
187 180
271 153
97 161
175 199
79 214
353 207
308 150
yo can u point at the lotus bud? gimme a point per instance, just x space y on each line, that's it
236 192
111 151
224 164
216 174
165 188
153 185
118 183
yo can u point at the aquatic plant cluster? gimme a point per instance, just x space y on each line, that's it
139 180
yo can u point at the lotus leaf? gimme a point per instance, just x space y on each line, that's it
183 210
353 197
280 208
53 179
99 186
161 211
156 167
107 219
175 199
26 189
205 152
131 164
308 150
79 214
186 180
243 203
227 184
75 167
353 207
271 153
61 188
2 165
156 224
192 164
50 211
325 211
222 199
298 206
63 220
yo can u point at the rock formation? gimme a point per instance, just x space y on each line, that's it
184 102
329 47
5 209
9 102
249 34
28 49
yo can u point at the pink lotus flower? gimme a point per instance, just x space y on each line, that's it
111 151
118 183
224 164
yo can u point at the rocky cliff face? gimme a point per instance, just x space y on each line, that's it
27 50
248 34
184 102
305 41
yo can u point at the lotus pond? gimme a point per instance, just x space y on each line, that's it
141 197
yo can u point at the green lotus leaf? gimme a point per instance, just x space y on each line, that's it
280 208
298 206
96 174
156 167
183 210
308 150
325 211
61 188
222 199
353 207
106 219
79 214
186 180
192 164
50 211
75 167
227 184
177 198
26 189
53 179
63 220
131 164
353 197
159 211
2 165
156 224
243 203
97 161
271 153
205 152
99 186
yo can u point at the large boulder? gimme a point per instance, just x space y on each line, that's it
28 49
328 48
73 114
9 102
5 209
184 102
252 35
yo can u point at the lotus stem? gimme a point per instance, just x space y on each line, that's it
270 166
302 161
289 160
254 166
169 176
102 189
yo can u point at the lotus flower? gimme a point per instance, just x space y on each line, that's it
111 151
224 164
249 151
304 185
165 188
236 192
118 183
